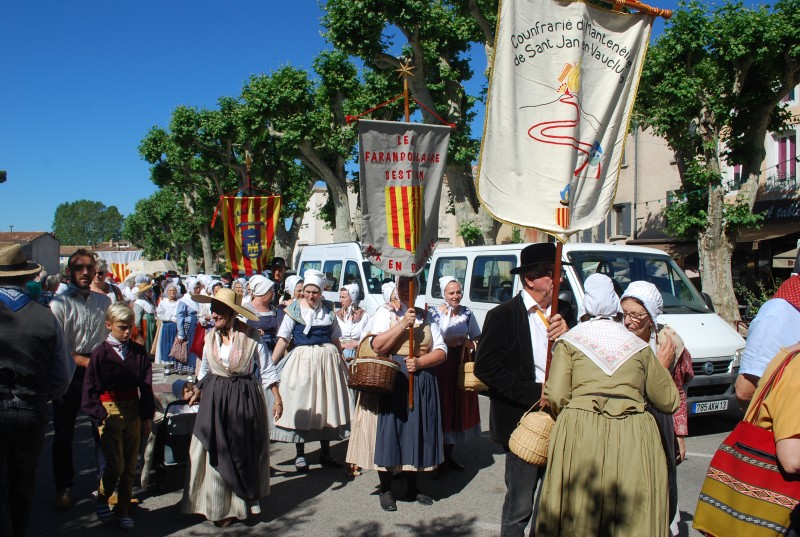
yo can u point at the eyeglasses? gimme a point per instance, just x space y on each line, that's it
101 273
638 317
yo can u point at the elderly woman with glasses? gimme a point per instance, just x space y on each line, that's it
642 304
605 470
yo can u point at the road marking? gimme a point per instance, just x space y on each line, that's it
705 455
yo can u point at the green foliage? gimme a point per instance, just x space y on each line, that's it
470 233
711 86
755 299
3 176
85 222
161 224
516 235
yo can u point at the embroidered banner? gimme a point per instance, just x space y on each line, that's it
560 99
402 166
118 261
249 224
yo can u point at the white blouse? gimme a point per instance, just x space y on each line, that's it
167 310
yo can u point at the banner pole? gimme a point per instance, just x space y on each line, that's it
405 72
554 303
411 300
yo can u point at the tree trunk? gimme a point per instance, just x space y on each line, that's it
209 262
468 210
285 241
337 185
715 248
191 259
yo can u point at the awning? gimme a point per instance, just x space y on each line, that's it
785 260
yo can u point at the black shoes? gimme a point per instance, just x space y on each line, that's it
422 499
454 465
330 462
387 501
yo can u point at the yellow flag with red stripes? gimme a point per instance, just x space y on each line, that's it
404 216
249 224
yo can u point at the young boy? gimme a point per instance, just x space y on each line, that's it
118 395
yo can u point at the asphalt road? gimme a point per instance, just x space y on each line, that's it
325 502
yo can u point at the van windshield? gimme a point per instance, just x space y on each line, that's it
376 278
680 296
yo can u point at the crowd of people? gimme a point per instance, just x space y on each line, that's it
268 360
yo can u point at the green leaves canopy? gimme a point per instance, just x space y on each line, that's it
85 222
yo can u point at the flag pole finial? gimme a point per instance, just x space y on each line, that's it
405 71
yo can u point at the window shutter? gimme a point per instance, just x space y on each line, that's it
625 214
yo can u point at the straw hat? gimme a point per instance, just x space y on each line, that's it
14 263
142 287
227 297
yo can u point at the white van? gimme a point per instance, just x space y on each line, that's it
716 348
344 263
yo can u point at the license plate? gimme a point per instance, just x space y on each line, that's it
710 406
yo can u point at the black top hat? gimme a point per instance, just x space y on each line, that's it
535 254
278 262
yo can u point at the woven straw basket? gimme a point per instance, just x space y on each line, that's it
530 439
371 372
466 373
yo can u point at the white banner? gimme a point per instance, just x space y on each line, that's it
560 99
402 166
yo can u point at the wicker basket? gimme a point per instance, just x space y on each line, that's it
530 439
466 373
371 372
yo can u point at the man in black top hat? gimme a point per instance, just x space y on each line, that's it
511 361
278 267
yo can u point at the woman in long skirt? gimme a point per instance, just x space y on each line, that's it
461 418
363 429
606 473
145 311
314 376
167 313
229 453
186 321
352 321
408 440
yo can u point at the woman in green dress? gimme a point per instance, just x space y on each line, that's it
606 472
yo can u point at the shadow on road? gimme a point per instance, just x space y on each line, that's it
435 527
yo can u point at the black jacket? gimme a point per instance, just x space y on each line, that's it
505 364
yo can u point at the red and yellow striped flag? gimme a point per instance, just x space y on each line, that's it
404 216
249 224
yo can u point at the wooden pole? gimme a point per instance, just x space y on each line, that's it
405 72
554 303
411 299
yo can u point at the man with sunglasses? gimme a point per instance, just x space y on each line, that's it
511 360
81 314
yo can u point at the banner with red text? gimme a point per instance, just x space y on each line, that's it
560 99
249 224
402 166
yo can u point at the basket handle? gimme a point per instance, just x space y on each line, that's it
465 352
388 363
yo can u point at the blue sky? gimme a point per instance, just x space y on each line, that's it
83 81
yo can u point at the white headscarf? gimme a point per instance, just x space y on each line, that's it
142 278
387 289
314 277
352 290
208 284
177 289
444 280
291 283
599 299
190 284
649 295
260 285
